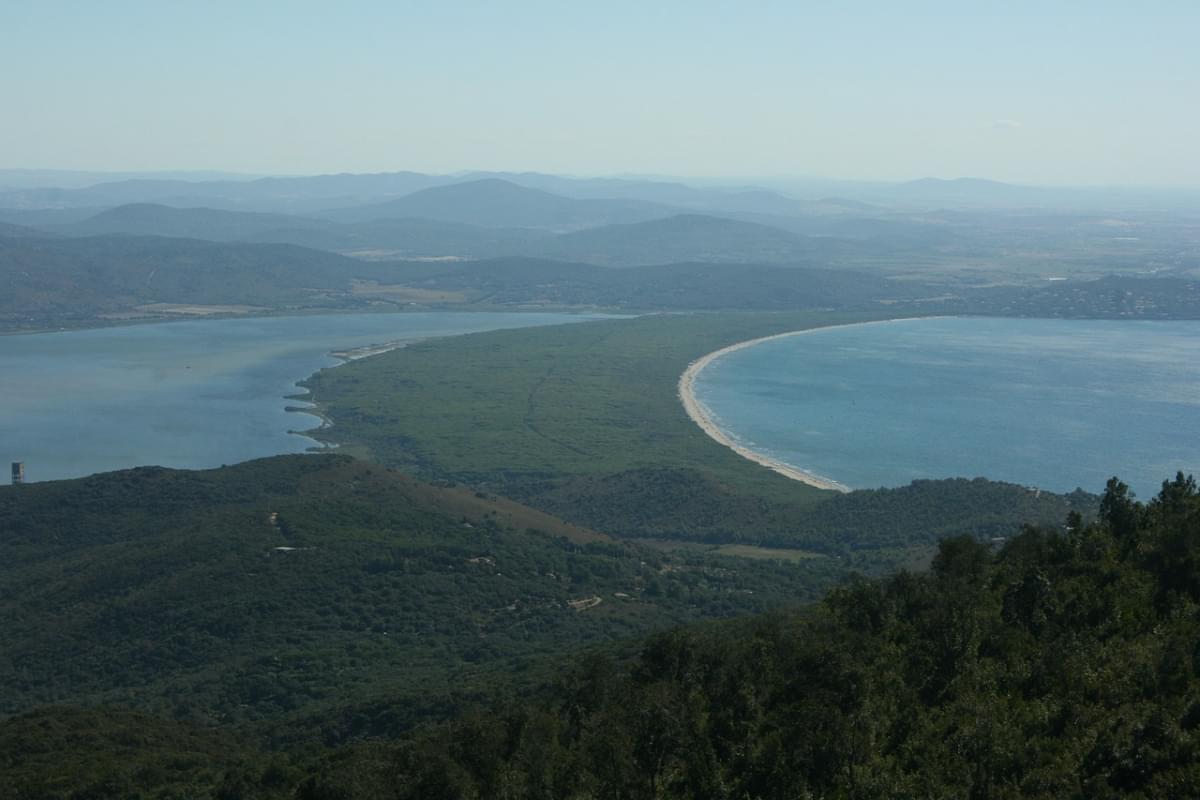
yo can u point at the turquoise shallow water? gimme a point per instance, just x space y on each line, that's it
1056 404
190 394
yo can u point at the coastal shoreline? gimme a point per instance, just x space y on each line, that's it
704 418
368 350
315 409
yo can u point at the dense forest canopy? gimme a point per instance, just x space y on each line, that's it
1062 664
296 586
1065 664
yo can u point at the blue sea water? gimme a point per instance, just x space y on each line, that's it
1056 404
189 394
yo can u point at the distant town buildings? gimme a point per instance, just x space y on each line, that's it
18 472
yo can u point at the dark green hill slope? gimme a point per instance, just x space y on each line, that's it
72 281
63 752
1059 665
298 584
1063 665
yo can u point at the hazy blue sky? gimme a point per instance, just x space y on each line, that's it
1044 92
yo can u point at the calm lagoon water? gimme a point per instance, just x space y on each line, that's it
190 394
1056 404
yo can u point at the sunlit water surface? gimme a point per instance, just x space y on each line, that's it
188 394
1056 404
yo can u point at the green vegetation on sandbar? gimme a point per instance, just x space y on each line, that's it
590 401
563 417
584 422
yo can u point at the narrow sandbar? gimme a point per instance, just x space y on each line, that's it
368 350
703 417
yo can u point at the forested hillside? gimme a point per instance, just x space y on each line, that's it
682 264
80 281
1061 664
300 585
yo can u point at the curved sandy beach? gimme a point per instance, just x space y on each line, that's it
704 418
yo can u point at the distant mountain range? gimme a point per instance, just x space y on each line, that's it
76 254
50 189
484 219
152 219
490 217
70 281
19 189
52 282
495 203
15 179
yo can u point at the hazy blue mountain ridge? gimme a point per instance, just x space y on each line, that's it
152 219
670 239
11 231
492 202
20 189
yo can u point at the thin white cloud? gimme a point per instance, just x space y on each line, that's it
1006 124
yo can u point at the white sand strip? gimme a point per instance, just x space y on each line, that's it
703 417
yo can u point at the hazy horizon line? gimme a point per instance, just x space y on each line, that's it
219 174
